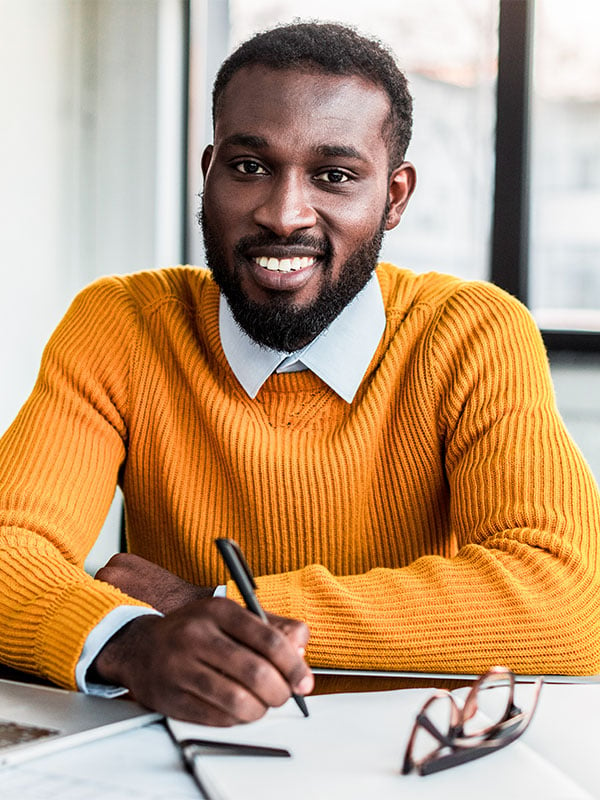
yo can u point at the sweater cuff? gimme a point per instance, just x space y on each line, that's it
66 625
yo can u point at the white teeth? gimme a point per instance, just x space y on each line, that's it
284 264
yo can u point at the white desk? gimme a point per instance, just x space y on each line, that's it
556 758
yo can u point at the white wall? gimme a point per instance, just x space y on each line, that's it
90 158
36 138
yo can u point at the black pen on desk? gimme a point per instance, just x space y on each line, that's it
244 580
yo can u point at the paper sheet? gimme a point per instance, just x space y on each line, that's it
351 748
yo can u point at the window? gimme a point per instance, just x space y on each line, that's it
564 255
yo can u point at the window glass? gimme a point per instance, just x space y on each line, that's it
565 160
449 52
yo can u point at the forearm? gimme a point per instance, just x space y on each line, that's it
150 583
517 605
59 463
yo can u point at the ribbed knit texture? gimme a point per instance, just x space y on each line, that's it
443 521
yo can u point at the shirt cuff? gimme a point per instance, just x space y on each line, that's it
220 591
97 638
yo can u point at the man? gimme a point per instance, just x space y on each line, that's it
383 445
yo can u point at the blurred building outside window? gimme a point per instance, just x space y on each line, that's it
564 257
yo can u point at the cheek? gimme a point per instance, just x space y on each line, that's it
224 220
221 195
359 215
357 224
217 204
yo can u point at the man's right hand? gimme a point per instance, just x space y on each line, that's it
211 662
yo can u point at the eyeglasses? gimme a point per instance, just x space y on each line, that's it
445 735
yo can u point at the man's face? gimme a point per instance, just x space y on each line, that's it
297 196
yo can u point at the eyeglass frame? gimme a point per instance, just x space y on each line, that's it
464 748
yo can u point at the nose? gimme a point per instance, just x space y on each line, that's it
286 207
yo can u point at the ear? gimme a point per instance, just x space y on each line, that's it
206 159
402 184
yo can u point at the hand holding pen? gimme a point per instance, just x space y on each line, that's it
207 661
244 580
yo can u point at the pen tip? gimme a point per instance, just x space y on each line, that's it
301 703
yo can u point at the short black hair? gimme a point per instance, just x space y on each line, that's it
333 49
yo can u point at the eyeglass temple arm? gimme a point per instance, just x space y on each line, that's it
447 739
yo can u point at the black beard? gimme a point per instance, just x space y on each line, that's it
279 324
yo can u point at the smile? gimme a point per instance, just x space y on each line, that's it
284 264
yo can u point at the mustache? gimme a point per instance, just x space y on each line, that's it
266 239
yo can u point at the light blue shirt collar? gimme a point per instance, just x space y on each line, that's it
340 355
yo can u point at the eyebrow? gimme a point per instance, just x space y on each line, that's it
326 150
247 140
339 151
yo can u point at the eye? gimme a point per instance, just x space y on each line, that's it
249 167
333 176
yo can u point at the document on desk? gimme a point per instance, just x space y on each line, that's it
351 748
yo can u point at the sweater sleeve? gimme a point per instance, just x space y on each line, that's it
522 588
59 463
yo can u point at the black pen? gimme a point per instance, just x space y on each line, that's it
244 580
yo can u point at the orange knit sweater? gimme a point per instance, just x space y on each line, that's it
443 521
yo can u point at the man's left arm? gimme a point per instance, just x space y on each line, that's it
523 586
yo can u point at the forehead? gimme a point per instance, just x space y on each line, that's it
302 106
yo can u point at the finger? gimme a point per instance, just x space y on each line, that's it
204 659
175 680
247 668
269 641
212 698
205 714
190 707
